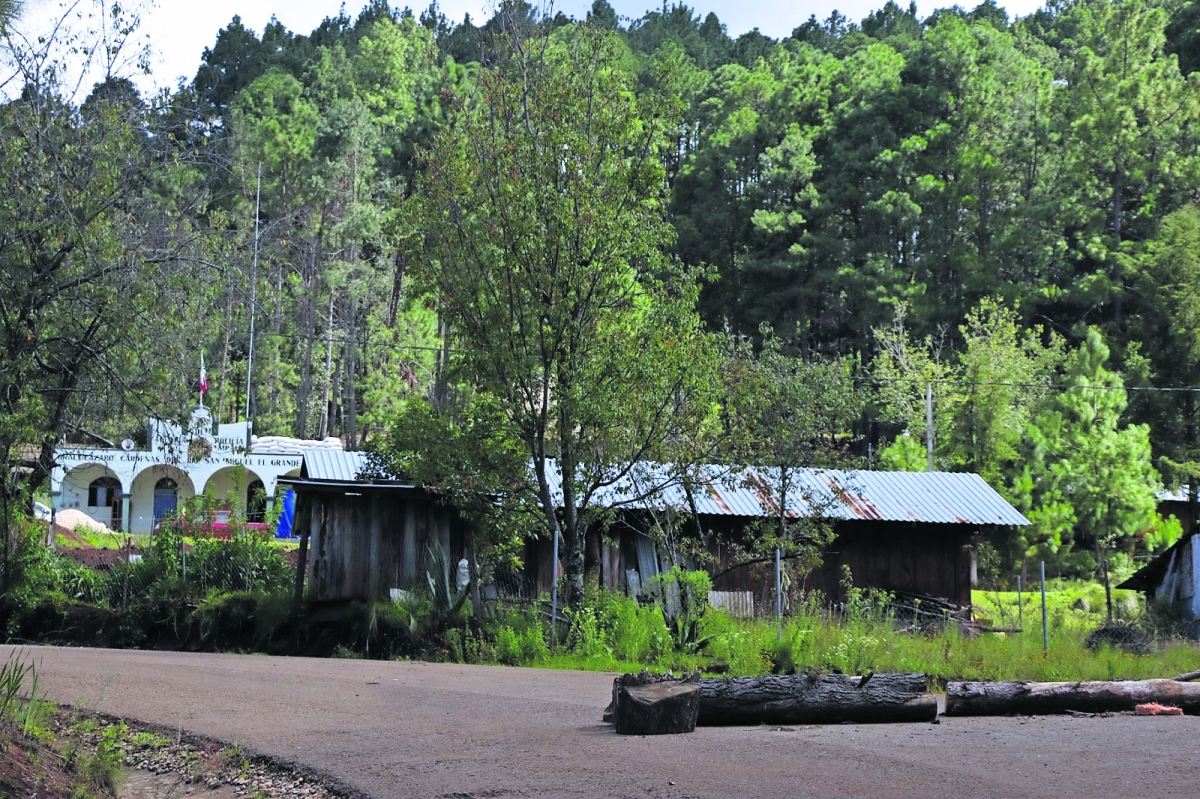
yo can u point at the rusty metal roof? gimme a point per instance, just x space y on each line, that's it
932 497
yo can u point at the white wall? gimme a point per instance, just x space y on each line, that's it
75 491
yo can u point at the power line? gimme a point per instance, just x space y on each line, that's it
1056 386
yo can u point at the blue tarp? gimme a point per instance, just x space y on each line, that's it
283 529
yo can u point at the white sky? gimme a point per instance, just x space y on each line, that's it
181 29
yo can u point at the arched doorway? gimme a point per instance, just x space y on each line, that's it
166 498
256 502
105 492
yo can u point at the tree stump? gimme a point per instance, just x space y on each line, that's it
816 699
1044 698
654 704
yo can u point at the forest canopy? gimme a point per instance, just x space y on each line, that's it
999 214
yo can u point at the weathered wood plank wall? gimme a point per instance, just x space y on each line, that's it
363 545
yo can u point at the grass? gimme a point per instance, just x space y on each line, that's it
1068 604
36 756
93 539
615 634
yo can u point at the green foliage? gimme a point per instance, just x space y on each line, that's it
12 677
544 226
38 573
983 396
639 632
1086 476
448 598
31 712
104 768
526 648
905 454
240 621
185 558
787 413
468 454
614 633
683 596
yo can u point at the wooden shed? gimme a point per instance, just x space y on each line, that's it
363 539
909 532
1173 576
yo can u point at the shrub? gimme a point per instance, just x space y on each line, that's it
683 596
533 645
508 646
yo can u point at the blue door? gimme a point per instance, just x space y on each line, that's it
165 500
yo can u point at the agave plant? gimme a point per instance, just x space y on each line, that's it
448 598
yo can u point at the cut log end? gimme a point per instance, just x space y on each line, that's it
655 706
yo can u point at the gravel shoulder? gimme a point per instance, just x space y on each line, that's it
383 729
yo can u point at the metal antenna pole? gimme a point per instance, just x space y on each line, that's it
929 423
778 596
1045 624
253 301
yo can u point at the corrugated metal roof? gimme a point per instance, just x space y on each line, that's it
333 464
937 497
1179 494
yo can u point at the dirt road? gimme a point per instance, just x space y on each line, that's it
425 730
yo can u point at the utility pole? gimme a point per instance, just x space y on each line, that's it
929 423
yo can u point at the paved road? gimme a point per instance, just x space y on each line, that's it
426 730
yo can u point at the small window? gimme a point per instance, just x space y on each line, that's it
103 491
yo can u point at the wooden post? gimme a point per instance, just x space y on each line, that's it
409 554
302 523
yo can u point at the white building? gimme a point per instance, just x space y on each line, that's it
130 489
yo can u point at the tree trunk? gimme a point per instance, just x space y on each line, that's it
397 296
441 364
654 704
310 329
816 699
350 401
571 555
1193 484
326 422
1004 698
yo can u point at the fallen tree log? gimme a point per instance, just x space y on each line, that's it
1044 698
650 704
815 699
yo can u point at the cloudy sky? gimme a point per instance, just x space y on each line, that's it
181 29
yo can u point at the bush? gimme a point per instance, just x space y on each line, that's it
683 597
520 649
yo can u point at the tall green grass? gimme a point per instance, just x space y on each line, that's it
614 633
